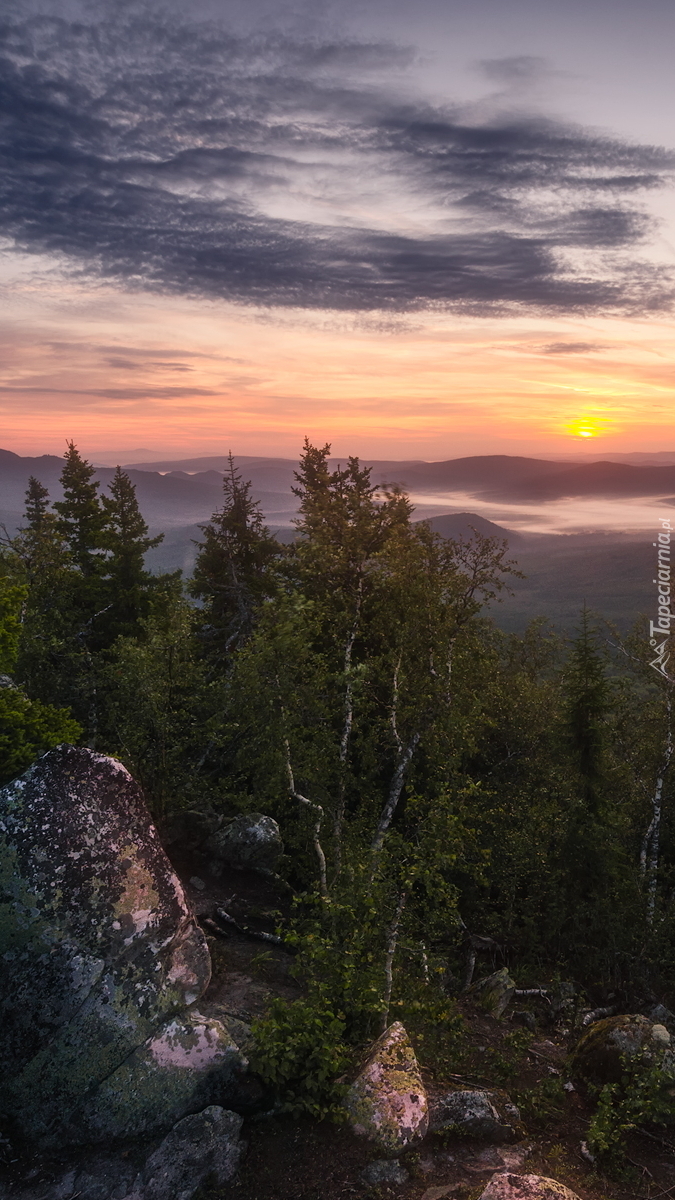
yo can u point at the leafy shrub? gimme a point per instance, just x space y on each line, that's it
299 1052
645 1096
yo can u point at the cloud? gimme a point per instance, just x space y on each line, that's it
573 348
277 172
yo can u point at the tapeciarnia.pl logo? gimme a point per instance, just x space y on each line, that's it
660 629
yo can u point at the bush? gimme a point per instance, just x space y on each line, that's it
299 1053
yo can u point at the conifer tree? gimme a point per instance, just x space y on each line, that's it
83 519
235 567
128 585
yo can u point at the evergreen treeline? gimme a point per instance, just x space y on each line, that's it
436 780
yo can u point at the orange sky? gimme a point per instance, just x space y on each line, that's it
191 377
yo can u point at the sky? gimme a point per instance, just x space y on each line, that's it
412 231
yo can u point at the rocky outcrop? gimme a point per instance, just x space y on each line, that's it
600 1053
387 1103
491 1116
250 842
526 1187
101 955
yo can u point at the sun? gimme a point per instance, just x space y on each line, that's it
584 427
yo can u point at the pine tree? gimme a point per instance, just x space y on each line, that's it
37 503
83 518
129 585
235 568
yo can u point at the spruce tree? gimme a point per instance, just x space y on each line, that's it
128 584
235 568
83 518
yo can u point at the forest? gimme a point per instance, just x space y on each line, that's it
445 790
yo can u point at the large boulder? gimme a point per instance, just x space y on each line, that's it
600 1054
526 1187
387 1103
100 951
488 1115
250 842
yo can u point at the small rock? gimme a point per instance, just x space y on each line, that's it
489 1115
197 883
250 842
526 1187
201 1145
384 1170
495 992
387 1103
661 1015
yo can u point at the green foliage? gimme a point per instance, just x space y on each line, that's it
151 719
29 728
299 1052
541 1105
645 1096
12 598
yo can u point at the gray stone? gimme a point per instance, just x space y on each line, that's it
495 992
100 955
251 842
489 1115
384 1170
387 1103
661 1015
205 1145
526 1187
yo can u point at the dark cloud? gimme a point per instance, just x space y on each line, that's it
572 348
179 158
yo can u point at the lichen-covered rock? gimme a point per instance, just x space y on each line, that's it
190 1063
205 1144
488 1115
98 946
495 992
526 1187
250 842
387 1103
600 1052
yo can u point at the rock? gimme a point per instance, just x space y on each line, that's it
191 1063
197 883
489 1115
100 951
104 1179
526 1187
250 842
599 1054
205 1145
384 1170
660 1015
387 1103
495 992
